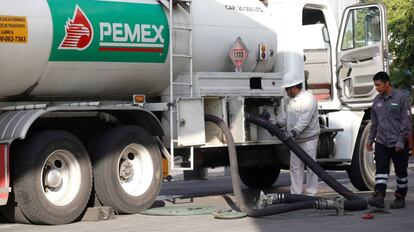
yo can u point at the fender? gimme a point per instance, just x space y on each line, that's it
350 121
15 123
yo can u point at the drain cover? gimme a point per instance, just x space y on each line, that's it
229 214
179 211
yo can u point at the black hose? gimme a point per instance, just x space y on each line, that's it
354 202
305 202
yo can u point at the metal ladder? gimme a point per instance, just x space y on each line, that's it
186 4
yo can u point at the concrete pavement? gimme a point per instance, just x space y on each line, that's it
217 192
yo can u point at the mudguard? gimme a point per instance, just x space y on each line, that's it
350 121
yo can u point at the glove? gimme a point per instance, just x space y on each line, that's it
294 134
280 126
291 134
265 115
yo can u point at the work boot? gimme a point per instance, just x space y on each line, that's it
377 200
398 203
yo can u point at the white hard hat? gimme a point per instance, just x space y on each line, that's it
291 79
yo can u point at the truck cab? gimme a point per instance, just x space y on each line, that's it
336 55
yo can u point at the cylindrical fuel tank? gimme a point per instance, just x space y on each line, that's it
98 49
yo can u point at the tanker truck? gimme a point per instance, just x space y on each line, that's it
100 99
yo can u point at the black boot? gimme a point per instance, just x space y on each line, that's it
377 199
398 203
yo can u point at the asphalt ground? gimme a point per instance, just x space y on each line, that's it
216 192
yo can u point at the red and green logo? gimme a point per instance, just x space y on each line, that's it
79 32
108 31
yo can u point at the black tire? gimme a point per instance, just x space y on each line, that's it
131 147
259 177
12 211
34 158
362 169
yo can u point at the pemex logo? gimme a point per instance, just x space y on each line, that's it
79 32
137 32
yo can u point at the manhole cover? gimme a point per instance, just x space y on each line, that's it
230 214
179 211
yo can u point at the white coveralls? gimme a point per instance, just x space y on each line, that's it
301 115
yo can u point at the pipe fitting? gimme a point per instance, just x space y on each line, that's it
269 199
339 205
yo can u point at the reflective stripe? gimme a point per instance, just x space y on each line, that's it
402 182
381 181
381 176
402 185
405 179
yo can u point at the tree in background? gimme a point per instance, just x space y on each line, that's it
401 29
401 42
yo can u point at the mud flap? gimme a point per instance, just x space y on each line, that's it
4 174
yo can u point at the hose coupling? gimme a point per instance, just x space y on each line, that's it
269 199
336 203
323 204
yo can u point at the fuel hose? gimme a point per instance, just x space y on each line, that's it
296 202
354 202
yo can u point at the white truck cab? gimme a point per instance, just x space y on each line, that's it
337 65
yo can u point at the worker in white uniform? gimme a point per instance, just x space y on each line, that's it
300 119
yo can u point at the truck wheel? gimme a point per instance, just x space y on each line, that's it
52 178
127 169
259 177
12 212
362 169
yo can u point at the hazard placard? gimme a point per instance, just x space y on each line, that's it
13 29
238 53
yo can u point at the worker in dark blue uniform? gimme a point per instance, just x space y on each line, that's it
390 125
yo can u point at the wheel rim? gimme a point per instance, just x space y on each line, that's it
369 161
61 177
135 169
